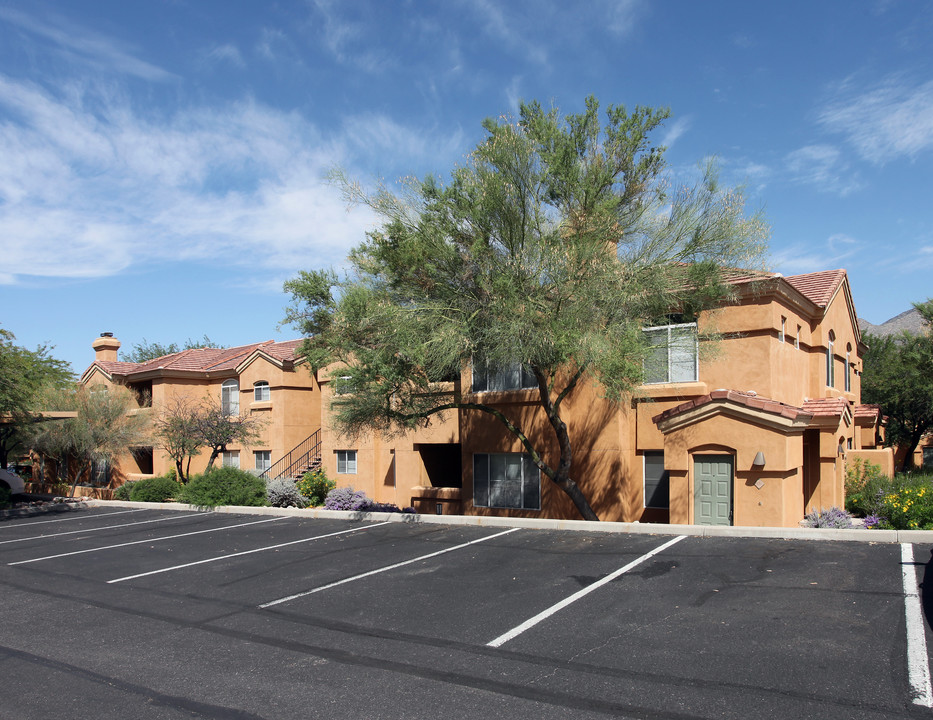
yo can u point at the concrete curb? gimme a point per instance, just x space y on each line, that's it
777 533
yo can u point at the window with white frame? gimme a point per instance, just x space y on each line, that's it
783 336
797 339
506 480
848 369
263 459
230 397
261 391
513 376
231 458
346 462
830 367
672 354
657 481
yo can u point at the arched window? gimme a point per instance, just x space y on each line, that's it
261 391
830 370
848 373
230 397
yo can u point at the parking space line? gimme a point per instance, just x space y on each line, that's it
543 615
142 542
918 663
383 569
107 527
245 552
82 517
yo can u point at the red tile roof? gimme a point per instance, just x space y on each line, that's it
867 411
825 407
818 287
752 401
203 359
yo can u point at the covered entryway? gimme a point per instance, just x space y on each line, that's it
712 479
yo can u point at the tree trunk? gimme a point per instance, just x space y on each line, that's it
576 495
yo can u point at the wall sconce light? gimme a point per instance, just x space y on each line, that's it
759 459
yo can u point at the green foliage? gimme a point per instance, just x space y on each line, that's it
898 376
865 484
224 486
123 491
315 485
909 507
24 376
101 429
157 489
552 246
5 497
145 351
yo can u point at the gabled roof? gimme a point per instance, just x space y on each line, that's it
758 409
206 361
818 287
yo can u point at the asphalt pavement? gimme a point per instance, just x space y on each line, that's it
116 611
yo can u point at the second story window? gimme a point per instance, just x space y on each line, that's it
261 391
848 370
230 397
830 369
513 376
672 354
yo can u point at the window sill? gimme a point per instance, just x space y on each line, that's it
261 405
681 389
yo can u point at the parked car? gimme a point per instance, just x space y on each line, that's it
12 481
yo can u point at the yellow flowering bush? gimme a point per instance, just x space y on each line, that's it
908 508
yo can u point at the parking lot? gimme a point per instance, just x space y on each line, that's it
114 612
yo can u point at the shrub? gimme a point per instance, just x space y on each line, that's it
157 489
349 499
282 492
123 491
224 486
5 496
909 507
315 486
346 498
865 486
834 517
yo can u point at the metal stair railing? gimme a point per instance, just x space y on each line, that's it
305 455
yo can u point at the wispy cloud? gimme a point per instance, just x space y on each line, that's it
91 187
508 30
676 130
891 120
623 15
84 47
824 167
227 53
813 257
346 38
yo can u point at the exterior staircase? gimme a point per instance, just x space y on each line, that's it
304 457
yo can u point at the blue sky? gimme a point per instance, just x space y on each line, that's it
162 163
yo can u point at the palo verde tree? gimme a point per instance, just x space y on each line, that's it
552 247
101 429
24 376
145 351
216 429
177 430
898 376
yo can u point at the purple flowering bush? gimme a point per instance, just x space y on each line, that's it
346 498
834 517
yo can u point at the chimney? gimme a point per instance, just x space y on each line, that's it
105 347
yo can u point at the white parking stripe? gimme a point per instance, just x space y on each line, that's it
245 552
143 542
107 527
530 623
80 517
383 569
918 663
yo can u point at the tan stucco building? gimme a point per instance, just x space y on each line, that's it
755 429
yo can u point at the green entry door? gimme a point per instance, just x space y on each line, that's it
712 479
